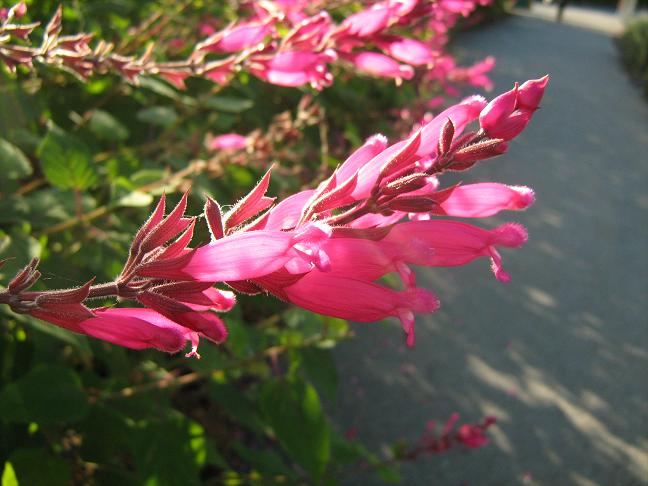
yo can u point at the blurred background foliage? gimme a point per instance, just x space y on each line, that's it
82 164
633 45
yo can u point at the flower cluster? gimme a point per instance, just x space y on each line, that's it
283 43
468 435
375 215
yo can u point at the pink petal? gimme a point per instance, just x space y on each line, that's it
286 214
372 147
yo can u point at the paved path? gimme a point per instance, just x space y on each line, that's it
560 354
607 21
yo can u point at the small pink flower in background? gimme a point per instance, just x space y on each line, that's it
294 68
219 71
468 435
380 65
410 51
238 37
368 22
227 141
351 433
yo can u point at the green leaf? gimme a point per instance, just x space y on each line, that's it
320 369
294 411
169 452
47 394
162 116
107 127
9 475
34 467
65 160
229 104
13 162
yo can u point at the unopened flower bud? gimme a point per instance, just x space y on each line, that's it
446 136
408 183
477 151
412 204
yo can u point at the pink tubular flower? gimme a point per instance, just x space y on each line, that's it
328 293
481 200
452 243
508 115
137 328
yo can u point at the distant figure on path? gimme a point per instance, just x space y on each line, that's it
561 8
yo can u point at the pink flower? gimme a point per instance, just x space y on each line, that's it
227 141
219 71
451 243
508 115
369 21
380 65
294 68
468 435
236 38
246 255
409 51
328 293
481 200
137 328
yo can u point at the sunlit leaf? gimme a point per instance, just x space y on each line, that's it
65 160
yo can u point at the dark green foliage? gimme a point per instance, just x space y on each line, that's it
633 45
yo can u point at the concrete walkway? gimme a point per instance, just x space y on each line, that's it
605 21
560 354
